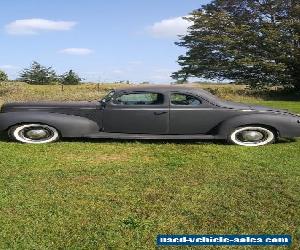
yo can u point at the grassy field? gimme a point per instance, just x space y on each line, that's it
120 194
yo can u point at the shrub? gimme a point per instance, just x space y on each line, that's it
70 78
3 76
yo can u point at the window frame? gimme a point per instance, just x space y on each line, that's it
113 101
202 103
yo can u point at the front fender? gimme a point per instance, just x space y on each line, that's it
287 126
68 125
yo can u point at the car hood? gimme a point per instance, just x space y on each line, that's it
23 106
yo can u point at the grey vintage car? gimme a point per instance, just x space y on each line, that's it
150 112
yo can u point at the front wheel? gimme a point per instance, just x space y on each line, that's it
33 133
252 136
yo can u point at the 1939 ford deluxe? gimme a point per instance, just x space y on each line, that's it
151 112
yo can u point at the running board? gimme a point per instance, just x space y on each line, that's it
104 135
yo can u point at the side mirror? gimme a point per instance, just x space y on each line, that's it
103 103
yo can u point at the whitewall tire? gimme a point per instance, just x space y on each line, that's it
252 136
33 133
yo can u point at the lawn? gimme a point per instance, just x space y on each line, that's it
120 194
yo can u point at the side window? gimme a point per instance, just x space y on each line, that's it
140 99
183 99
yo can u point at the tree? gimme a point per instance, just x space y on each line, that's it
70 78
253 41
38 75
3 76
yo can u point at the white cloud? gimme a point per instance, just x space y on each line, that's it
35 25
169 28
77 51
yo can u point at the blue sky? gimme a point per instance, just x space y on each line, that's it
101 40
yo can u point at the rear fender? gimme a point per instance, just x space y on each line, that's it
285 125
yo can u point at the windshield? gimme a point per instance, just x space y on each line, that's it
108 97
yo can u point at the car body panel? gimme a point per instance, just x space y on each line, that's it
68 125
286 126
197 121
139 119
135 119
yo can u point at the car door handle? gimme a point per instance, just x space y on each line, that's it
160 112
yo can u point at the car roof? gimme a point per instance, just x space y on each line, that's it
168 88
154 87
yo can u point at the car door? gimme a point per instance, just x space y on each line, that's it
138 112
191 114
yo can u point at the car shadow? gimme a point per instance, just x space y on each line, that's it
143 141
286 140
149 141
4 138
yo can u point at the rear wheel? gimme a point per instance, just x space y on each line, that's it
33 133
252 136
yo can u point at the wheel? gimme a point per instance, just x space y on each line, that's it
252 136
33 133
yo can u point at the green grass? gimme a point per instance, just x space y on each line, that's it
291 106
121 194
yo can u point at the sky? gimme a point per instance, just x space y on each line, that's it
103 41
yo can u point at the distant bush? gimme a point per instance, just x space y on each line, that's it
38 75
3 76
70 78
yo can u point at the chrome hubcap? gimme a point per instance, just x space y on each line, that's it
36 134
252 136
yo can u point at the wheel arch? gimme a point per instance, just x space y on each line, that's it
33 122
267 126
276 123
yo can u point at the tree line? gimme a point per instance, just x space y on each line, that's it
256 42
38 74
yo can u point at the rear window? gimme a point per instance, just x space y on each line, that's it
183 99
